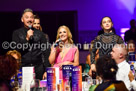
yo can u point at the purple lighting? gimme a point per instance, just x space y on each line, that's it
126 4
122 32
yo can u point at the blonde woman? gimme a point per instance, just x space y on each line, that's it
65 53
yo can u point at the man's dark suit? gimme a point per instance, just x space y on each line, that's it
33 50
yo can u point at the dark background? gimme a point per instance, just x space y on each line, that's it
50 22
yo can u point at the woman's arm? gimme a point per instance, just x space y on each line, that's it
94 49
53 54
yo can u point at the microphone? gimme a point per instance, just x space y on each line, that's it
30 27
57 43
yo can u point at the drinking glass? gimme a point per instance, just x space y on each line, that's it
87 83
67 86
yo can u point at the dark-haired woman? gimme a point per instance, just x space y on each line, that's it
104 42
106 68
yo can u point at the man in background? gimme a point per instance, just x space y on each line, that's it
119 54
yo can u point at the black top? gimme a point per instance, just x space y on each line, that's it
32 50
104 43
129 35
47 37
102 31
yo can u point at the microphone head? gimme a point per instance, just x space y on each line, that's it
57 43
29 26
59 40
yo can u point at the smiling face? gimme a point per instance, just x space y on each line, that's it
106 23
63 34
27 18
36 24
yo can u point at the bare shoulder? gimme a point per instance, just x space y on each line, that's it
74 46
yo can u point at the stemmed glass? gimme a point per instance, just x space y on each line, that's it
67 86
87 83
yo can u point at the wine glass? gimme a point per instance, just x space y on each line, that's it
67 86
87 83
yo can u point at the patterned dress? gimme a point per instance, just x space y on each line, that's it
104 43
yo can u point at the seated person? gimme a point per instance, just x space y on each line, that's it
8 68
4 86
15 54
87 65
132 80
106 68
92 66
130 49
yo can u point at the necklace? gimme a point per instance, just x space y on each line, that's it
65 50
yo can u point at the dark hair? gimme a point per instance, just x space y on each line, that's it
5 85
103 18
106 68
102 31
132 22
36 17
8 67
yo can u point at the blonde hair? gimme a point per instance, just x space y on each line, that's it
11 52
69 34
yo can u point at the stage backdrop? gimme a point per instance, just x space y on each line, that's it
50 22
